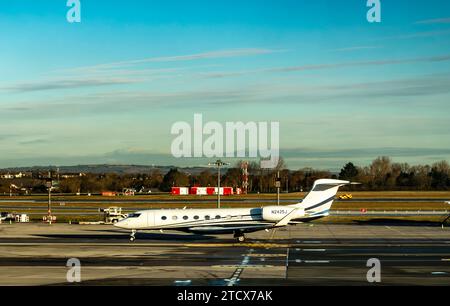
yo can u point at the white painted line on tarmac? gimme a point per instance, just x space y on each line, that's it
314 250
182 282
317 261
439 273
244 264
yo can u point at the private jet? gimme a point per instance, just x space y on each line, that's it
237 221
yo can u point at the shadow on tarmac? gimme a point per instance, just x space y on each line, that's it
126 236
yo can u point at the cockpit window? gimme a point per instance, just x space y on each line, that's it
134 215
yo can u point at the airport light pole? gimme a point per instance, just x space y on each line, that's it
49 185
278 186
218 164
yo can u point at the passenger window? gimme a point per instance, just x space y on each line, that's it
217 217
185 217
174 218
164 218
196 217
207 217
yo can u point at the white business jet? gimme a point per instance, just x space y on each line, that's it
237 221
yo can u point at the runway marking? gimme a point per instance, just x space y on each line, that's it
445 259
138 244
287 263
439 273
182 282
208 245
227 245
235 277
265 255
241 268
314 250
395 230
317 261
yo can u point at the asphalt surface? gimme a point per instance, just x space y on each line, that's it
36 254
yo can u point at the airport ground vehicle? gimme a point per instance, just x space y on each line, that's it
6 216
347 196
113 215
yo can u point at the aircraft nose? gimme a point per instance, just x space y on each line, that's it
121 224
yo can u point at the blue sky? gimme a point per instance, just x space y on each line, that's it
107 90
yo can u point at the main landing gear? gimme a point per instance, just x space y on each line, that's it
239 236
132 236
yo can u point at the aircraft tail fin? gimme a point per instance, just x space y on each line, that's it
319 200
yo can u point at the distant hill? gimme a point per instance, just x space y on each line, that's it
99 169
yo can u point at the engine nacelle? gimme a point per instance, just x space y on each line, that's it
276 213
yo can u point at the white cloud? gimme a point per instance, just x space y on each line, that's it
434 21
179 58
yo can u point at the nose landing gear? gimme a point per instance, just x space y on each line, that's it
239 236
132 236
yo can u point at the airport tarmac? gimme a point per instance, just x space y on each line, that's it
320 254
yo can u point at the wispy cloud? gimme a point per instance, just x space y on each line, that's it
418 35
189 57
223 74
65 83
110 102
430 59
300 68
6 136
120 73
328 66
364 152
33 141
356 48
434 21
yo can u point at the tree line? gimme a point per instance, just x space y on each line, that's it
381 174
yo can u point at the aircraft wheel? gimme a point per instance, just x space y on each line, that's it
241 238
132 237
